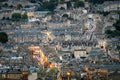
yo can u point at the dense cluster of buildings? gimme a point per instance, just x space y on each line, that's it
68 40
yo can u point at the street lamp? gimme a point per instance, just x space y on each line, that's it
68 75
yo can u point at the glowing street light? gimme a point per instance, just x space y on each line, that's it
68 75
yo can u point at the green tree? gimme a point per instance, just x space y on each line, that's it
62 8
3 18
24 16
16 17
74 0
47 6
50 5
113 33
103 13
3 37
3 0
11 6
55 1
19 6
5 5
33 1
117 25
19 16
96 1
7 18
0 6
99 1
65 15
108 31
79 4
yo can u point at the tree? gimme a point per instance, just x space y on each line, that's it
113 33
0 6
3 18
47 6
103 13
33 1
79 4
65 15
24 16
11 6
55 1
50 5
3 0
5 5
7 18
117 25
108 31
62 8
74 0
19 6
19 16
98 1
3 37
16 16
95 1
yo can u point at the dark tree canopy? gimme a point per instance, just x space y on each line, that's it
19 6
117 25
48 6
65 15
32 1
24 16
113 33
19 16
16 16
103 13
108 31
99 1
116 32
5 5
3 0
74 0
79 4
35 1
3 37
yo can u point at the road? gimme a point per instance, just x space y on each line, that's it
89 33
